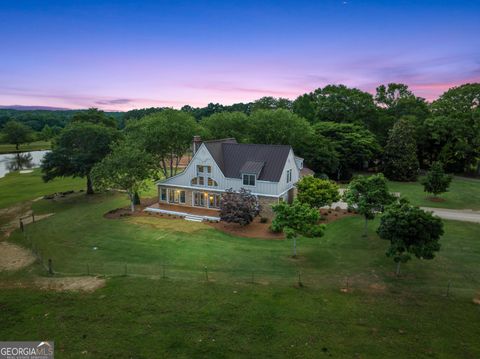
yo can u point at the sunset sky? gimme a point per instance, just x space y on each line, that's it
120 55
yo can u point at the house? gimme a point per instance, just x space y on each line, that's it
268 171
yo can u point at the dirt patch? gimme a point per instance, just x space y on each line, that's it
476 300
13 257
165 223
256 229
75 284
331 215
435 199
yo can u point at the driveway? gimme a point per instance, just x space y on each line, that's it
465 215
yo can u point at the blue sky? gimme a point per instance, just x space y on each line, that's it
131 54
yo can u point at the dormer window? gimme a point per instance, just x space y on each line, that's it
211 182
249 180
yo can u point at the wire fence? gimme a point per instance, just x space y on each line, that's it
299 277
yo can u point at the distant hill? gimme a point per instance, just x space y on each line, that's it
33 108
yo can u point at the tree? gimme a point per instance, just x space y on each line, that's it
297 219
317 192
353 144
460 101
167 135
369 195
411 231
227 125
436 181
336 103
319 154
271 103
16 133
95 116
239 207
127 167
76 151
389 96
278 127
400 158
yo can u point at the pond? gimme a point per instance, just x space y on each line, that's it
11 162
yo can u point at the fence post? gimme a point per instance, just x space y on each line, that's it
33 217
300 284
21 225
50 269
163 271
206 273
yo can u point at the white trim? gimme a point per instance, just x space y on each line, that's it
205 189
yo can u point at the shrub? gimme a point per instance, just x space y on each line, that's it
263 220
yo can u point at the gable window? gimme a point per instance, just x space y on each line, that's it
289 176
212 182
163 194
203 169
248 180
198 181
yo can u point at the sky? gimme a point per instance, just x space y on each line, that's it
121 55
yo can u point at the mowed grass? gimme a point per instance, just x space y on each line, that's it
184 316
464 193
143 318
32 146
16 187
78 236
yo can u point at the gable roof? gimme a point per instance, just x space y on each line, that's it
266 161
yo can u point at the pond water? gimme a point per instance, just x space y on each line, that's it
11 162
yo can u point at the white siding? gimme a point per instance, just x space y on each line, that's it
204 158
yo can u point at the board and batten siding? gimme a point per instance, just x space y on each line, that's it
204 158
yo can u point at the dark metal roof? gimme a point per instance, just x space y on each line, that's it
252 167
233 158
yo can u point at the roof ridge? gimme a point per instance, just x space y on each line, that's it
256 144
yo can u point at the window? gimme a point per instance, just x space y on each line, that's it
177 196
209 169
198 181
163 194
199 169
214 200
289 176
212 182
249 180
199 199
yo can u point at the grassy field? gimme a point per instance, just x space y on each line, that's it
464 193
16 187
32 146
184 316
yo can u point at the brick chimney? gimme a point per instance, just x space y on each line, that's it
197 141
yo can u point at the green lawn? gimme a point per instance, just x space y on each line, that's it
464 193
183 316
16 187
33 146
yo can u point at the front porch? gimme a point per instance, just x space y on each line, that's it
190 213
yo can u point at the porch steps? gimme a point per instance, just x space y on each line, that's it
186 216
194 218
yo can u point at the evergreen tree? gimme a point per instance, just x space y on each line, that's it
400 158
436 181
